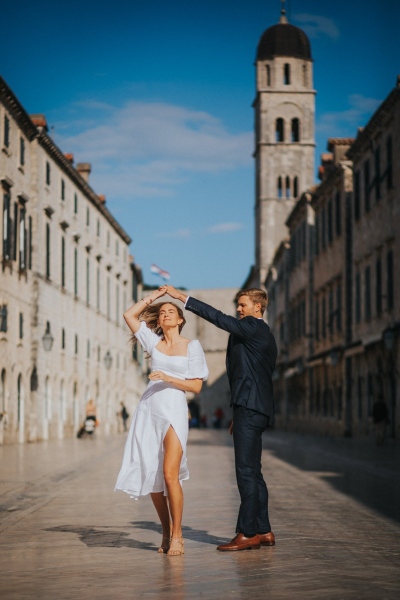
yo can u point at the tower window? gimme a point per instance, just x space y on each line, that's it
280 130
287 187
295 130
268 70
305 79
296 187
279 190
286 74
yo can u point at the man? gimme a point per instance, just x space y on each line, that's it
250 361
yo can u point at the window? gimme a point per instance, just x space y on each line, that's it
15 233
378 286
323 228
48 174
108 297
88 349
87 217
76 271
339 307
367 293
63 339
108 239
330 222
295 130
286 74
7 226
268 71
287 187
21 326
377 157
331 312
87 281
116 248
62 262
21 151
389 280
117 302
358 298
76 344
360 397
279 190
98 227
6 138
295 187
279 130
62 189
323 318
305 78
3 318
367 201
357 196
22 238
76 204
29 244
48 251
98 289
389 161
338 214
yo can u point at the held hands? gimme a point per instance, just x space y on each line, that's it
174 293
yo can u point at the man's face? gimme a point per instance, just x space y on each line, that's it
246 308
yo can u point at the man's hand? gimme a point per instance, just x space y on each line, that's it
171 291
231 428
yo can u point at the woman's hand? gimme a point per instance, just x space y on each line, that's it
158 376
162 290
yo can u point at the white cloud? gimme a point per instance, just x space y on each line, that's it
148 149
346 122
225 227
315 25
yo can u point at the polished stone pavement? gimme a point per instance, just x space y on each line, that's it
334 505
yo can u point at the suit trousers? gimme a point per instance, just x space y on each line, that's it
248 426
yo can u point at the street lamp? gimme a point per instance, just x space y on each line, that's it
108 360
47 339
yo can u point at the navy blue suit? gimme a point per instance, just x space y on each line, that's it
250 361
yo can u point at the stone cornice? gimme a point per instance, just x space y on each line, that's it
17 111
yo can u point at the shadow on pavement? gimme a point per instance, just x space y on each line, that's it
95 538
354 467
196 535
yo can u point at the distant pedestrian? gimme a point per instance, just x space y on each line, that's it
218 418
124 415
380 416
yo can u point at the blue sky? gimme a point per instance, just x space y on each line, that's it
157 96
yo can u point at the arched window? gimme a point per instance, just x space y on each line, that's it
279 187
19 398
295 130
268 69
296 187
286 74
3 391
279 130
287 187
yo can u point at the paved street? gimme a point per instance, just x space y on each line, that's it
335 510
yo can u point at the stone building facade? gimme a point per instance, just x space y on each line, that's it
66 277
284 151
338 328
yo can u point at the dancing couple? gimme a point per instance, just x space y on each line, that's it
154 459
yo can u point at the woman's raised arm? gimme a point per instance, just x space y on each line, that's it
131 315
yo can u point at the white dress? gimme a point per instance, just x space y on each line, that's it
160 407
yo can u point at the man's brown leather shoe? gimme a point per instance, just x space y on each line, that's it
240 542
267 539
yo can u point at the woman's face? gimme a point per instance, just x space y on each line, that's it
168 316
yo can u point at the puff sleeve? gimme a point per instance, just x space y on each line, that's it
147 338
197 366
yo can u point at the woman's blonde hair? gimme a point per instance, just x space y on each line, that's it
150 317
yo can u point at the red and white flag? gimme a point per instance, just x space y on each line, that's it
163 274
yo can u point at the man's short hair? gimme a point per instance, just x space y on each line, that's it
256 296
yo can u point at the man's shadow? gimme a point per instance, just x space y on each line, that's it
196 535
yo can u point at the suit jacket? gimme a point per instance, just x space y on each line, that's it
250 357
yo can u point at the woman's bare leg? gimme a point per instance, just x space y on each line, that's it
172 461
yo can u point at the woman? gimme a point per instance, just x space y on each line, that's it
155 452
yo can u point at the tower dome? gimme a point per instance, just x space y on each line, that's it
284 39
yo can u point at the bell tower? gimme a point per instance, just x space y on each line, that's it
284 151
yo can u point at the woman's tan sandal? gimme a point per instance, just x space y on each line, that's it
178 550
165 544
